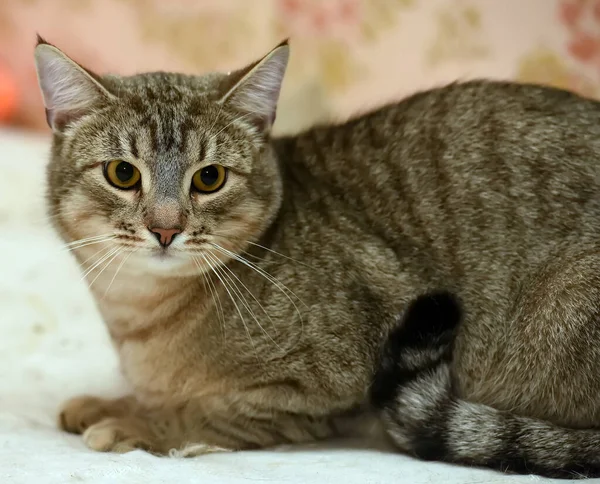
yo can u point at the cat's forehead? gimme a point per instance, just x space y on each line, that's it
159 113
165 109
167 122
165 86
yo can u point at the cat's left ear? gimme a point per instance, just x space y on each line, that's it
69 90
256 90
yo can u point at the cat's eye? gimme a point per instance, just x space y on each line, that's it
121 174
209 179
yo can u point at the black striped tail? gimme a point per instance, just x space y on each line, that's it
413 390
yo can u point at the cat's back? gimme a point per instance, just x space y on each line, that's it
472 172
523 120
482 111
511 99
493 129
455 138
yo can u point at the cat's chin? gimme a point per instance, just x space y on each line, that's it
165 263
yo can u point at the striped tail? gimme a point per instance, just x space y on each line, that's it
413 391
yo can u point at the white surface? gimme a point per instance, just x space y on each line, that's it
53 345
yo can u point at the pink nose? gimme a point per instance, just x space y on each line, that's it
164 236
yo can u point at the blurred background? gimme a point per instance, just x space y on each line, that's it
347 55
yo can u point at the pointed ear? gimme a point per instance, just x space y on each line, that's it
69 91
256 89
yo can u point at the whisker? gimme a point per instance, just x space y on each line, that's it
239 118
213 291
120 266
215 120
226 232
248 254
214 269
86 239
103 249
97 263
261 271
55 252
82 242
263 247
269 278
280 254
223 266
93 242
110 261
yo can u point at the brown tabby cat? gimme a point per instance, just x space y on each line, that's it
264 291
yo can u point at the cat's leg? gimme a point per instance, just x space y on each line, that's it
79 413
208 424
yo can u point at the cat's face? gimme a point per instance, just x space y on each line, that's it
176 172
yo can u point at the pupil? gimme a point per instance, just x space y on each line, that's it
209 175
124 171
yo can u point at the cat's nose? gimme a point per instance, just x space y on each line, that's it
164 236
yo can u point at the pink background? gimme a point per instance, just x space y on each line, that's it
347 55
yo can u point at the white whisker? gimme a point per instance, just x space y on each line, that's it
87 239
215 270
119 267
77 244
239 118
269 278
93 256
214 294
255 257
279 254
102 259
223 266
110 261
215 120
94 242
261 271
226 232
262 247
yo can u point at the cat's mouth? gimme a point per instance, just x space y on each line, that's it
162 254
165 253
165 260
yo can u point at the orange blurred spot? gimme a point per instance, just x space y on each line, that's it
8 94
585 47
570 12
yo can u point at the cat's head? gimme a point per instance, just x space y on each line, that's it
162 166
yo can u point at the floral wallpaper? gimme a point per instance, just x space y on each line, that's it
347 55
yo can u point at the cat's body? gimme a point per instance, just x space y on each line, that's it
490 191
475 188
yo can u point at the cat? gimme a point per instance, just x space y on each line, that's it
432 264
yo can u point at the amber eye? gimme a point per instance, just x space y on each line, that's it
121 174
209 179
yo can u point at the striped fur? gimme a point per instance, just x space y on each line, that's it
263 322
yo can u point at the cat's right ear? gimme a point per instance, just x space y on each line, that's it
69 90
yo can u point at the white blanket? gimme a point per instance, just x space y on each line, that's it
53 346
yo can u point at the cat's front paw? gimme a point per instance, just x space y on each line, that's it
120 435
79 413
